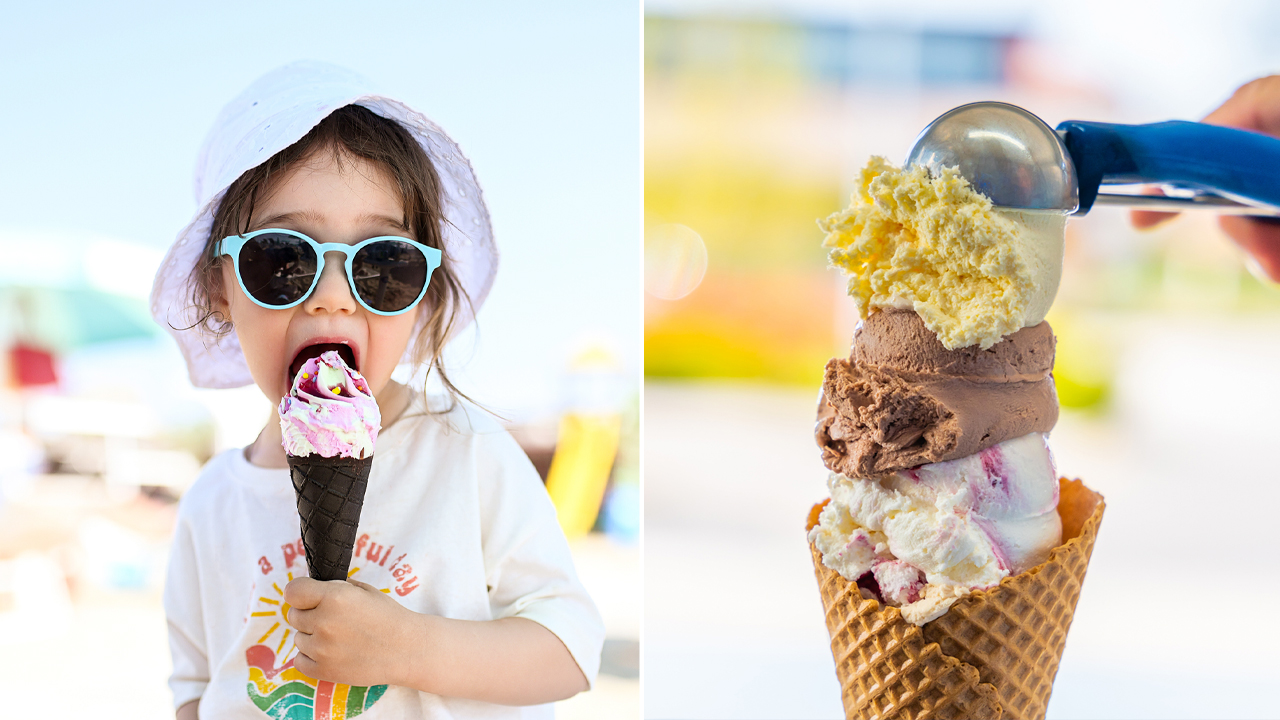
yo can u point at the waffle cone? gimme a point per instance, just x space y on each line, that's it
330 495
993 654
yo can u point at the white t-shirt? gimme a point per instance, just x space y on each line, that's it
455 523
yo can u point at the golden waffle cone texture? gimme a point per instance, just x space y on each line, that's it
993 654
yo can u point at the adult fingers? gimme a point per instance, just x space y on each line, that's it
1253 106
304 593
1143 219
1259 238
1238 110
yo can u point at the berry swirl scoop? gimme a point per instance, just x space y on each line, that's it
330 411
329 422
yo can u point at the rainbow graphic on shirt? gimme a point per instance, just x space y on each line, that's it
284 693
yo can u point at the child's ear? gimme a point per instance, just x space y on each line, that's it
222 274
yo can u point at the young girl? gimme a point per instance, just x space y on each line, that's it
462 599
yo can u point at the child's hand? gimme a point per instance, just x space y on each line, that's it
347 631
351 633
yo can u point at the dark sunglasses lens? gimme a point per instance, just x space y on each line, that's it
277 269
389 275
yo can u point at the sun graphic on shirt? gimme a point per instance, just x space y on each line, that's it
281 690
280 611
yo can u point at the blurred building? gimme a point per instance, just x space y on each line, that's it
822 51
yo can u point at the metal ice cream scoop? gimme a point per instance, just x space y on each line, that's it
1018 161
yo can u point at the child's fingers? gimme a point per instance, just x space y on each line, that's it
301 620
304 593
305 664
304 660
363 586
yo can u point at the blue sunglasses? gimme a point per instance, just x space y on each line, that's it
278 269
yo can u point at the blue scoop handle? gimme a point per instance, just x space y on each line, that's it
1238 164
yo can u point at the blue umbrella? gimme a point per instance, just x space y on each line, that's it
64 291
67 319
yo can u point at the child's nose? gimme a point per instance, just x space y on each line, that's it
333 292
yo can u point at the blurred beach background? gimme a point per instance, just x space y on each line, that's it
100 431
758 116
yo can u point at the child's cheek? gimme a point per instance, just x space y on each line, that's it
262 334
388 339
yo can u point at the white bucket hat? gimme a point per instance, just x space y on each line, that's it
274 112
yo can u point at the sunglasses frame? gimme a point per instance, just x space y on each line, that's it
233 244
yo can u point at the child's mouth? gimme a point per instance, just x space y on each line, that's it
311 351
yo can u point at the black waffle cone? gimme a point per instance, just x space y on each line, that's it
330 495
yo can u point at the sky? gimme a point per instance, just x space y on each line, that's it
106 105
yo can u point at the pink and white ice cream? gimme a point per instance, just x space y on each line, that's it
330 411
931 534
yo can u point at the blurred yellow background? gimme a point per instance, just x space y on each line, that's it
758 116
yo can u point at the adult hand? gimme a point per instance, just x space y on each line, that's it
347 631
1255 106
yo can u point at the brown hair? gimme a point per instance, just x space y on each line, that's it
349 132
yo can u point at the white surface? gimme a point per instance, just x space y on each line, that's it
105 660
733 621
611 573
1173 618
